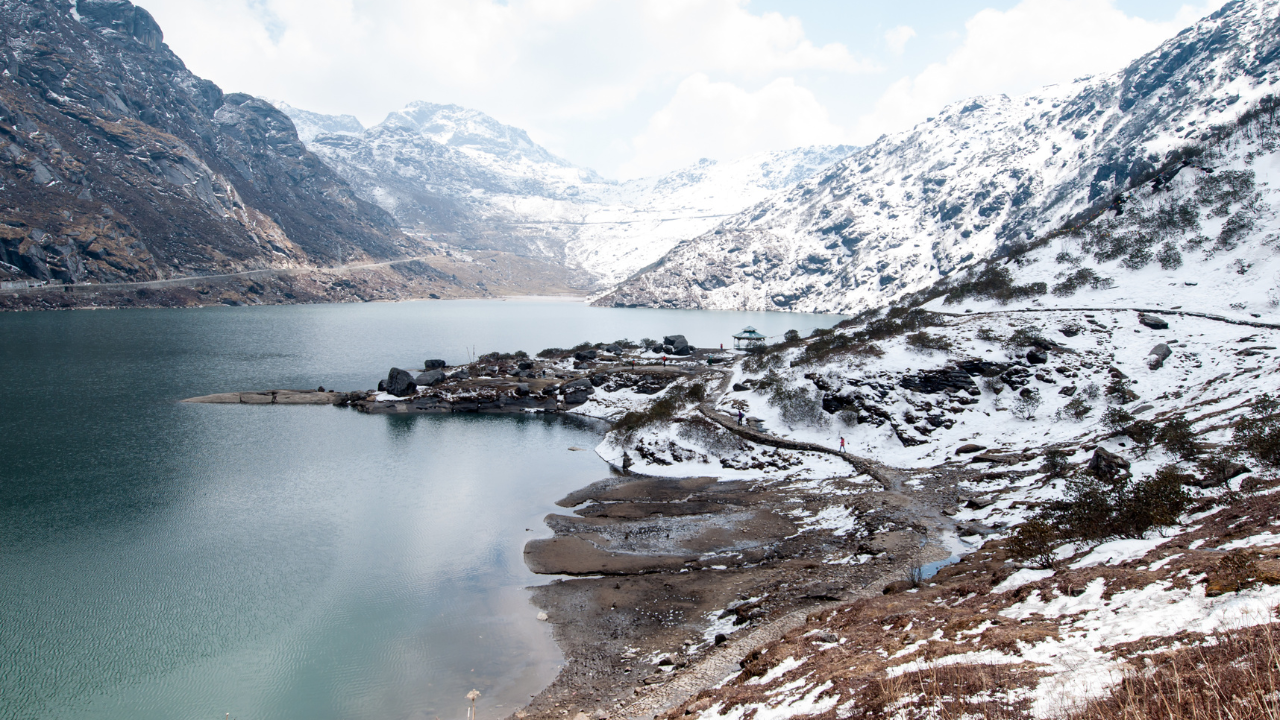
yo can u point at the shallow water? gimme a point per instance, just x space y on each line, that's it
162 560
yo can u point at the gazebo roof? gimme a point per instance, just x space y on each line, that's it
748 333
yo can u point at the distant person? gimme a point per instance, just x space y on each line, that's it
664 361
739 416
842 443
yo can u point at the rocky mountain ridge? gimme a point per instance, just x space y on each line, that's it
463 177
119 164
981 176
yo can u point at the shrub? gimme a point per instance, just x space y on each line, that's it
1093 510
1056 463
660 411
992 385
1076 409
987 334
797 405
832 343
1142 433
1025 337
791 336
552 353
1025 406
764 359
1066 258
1075 281
1116 419
710 436
1091 391
923 342
1034 542
1169 257
1178 437
1258 433
994 283
1118 390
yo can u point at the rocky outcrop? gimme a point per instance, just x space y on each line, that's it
119 164
400 383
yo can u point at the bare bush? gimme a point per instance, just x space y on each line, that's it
1230 675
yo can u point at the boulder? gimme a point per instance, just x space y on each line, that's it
739 387
400 383
579 385
969 448
667 350
614 349
525 365
522 389
585 355
1157 356
1036 356
430 378
434 365
1068 391
460 374
675 341
1106 465
598 380
1154 322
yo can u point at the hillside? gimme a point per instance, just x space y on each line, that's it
465 178
983 175
118 164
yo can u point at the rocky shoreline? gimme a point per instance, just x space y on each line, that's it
662 583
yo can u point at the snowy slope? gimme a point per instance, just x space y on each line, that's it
464 176
915 206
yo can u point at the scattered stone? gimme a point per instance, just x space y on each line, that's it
1154 322
1071 331
460 374
434 364
400 383
827 637
1036 356
721 639
1068 391
936 381
739 387
1142 408
585 355
613 350
970 448
981 503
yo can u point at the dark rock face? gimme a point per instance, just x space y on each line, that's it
429 378
118 164
936 381
1037 357
400 383
436 365
1154 322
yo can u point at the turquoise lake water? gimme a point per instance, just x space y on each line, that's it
164 560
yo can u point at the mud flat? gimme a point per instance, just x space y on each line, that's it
671 582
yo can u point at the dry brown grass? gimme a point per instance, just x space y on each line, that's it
1230 676
994 692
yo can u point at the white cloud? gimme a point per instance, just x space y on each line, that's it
1033 44
722 121
896 38
530 63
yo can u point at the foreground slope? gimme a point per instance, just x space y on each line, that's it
983 174
462 176
118 164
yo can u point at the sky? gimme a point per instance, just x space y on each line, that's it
632 88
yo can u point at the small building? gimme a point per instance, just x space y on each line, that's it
748 336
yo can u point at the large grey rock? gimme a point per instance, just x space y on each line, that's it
675 341
400 383
1106 465
460 374
1157 356
434 364
585 355
430 378
1155 322
579 385
1037 356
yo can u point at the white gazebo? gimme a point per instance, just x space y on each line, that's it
748 336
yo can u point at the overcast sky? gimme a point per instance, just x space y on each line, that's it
638 87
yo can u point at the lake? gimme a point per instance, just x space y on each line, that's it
166 560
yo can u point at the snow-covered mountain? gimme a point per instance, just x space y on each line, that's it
466 178
987 173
